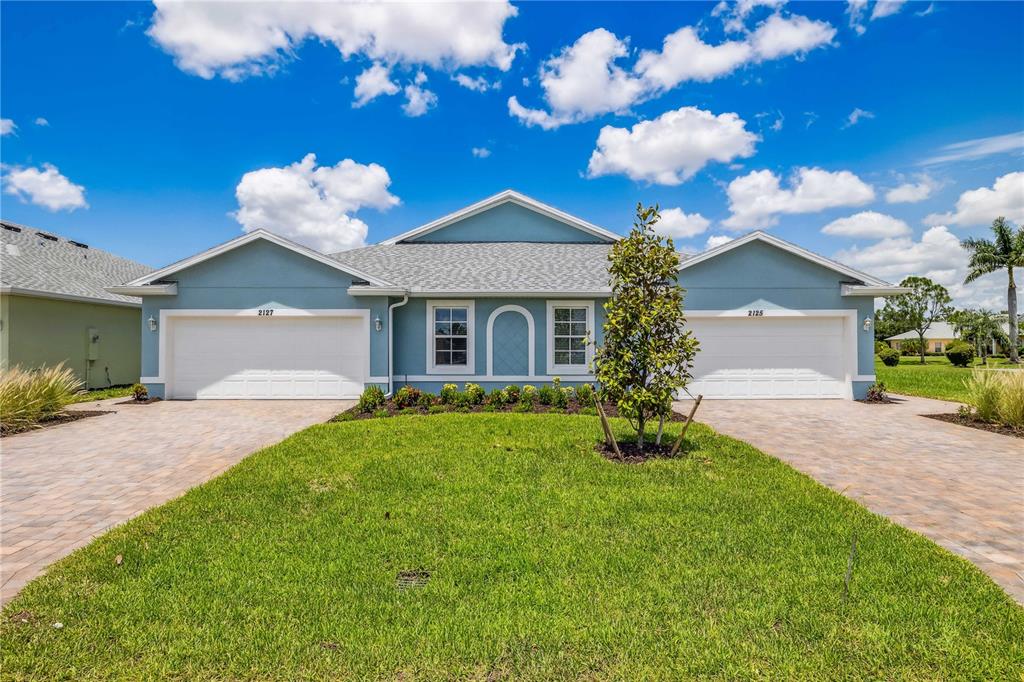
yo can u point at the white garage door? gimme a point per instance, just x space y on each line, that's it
769 357
268 357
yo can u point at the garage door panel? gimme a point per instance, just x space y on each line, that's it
255 357
780 357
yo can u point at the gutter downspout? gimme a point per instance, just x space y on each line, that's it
391 341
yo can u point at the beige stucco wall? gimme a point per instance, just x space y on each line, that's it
42 332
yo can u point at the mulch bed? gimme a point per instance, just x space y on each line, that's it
133 401
574 407
56 420
977 424
630 454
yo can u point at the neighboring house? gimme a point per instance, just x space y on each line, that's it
508 290
54 307
940 335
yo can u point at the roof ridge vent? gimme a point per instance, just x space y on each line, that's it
12 228
46 236
78 244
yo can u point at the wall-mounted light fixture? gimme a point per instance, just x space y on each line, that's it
377 324
867 323
152 323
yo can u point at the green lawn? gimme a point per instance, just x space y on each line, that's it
546 560
102 394
937 378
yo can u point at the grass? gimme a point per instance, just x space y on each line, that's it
546 561
937 378
103 394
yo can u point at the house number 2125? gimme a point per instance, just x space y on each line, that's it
265 312
755 313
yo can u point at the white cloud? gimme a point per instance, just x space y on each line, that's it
856 9
40 121
45 187
671 148
235 39
912 192
756 199
983 205
938 256
734 15
312 204
678 225
481 152
856 116
716 240
585 80
867 224
373 82
979 148
7 126
886 8
418 100
478 84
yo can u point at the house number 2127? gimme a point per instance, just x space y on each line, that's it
266 312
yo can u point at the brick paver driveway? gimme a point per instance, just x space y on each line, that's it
62 486
961 487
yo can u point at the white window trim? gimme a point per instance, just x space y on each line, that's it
559 370
511 308
470 366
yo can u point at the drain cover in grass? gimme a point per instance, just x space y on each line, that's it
409 579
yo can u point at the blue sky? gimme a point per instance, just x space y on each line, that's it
154 133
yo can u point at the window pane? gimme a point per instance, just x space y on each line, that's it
578 358
579 328
459 358
458 314
579 344
561 314
562 328
459 328
442 358
442 314
442 344
562 342
561 358
579 314
444 328
458 343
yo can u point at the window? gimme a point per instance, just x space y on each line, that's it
450 337
569 325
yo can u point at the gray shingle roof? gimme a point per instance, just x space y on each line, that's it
33 262
487 266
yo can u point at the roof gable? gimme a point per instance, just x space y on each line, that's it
788 247
507 216
226 247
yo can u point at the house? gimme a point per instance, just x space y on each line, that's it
940 335
507 290
54 307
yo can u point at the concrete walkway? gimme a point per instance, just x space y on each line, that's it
63 485
961 487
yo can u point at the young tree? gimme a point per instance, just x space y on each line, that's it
1005 252
980 327
926 303
647 352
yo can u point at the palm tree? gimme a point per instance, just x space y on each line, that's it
1004 253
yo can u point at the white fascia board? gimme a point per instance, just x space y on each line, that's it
873 291
376 291
170 289
245 239
785 246
35 293
507 196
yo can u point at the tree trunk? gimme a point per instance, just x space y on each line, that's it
640 432
661 428
922 346
1011 308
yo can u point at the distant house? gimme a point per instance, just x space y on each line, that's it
940 335
54 308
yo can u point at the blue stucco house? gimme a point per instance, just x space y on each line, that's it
508 290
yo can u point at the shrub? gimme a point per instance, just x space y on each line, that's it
381 413
437 409
426 400
1011 399
497 397
344 417
140 392
28 397
589 411
371 399
910 347
983 389
407 396
474 394
561 398
528 397
449 394
876 393
880 346
409 410
546 395
511 394
585 395
889 357
960 353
